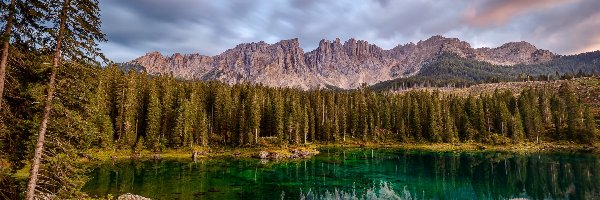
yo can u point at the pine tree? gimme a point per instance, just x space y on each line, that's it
131 110
254 118
180 123
168 110
331 118
434 119
24 20
415 117
353 115
198 115
101 113
558 116
342 117
278 115
450 130
589 134
362 115
5 46
504 118
153 118
475 113
76 33
545 110
306 123
573 111
516 131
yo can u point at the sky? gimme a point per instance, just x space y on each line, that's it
209 27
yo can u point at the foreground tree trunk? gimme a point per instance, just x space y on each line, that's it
39 147
5 45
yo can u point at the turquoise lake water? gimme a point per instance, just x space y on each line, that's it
359 174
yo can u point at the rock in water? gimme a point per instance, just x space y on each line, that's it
263 155
129 196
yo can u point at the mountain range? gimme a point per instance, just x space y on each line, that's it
346 65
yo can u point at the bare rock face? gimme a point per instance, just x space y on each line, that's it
344 65
280 64
514 53
188 66
349 65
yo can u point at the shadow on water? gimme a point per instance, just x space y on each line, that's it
359 173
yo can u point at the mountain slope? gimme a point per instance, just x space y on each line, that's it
452 70
344 65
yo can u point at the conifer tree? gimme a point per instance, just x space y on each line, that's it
415 119
504 118
254 112
435 127
198 115
573 111
516 127
589 134
343 122
75 35
101 112
24 20
131 110
153 118
305 123
450 130
558 116
278 115
353 115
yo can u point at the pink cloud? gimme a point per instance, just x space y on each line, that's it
492 12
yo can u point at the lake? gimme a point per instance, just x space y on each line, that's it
359 173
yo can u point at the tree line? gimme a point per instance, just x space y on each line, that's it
135 110
450 70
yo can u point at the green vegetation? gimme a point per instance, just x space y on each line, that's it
450 70
58 105
108 112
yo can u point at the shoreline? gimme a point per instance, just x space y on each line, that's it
286 153
93 156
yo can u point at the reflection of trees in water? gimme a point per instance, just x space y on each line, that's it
495 175
485 175
381 191
423 175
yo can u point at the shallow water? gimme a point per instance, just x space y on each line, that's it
364 174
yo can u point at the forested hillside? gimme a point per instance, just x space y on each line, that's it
454 71
107 108
62 99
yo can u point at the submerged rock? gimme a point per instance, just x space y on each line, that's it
300 154
129 196
263 155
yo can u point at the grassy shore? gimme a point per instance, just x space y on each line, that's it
106 155
287 151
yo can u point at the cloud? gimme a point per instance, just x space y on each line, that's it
491 12
134 27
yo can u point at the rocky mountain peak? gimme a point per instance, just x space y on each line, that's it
512 53
346 65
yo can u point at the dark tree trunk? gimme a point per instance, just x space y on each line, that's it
33 175
5 45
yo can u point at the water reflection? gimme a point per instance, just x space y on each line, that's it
418 174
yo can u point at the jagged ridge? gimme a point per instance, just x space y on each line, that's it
348 65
